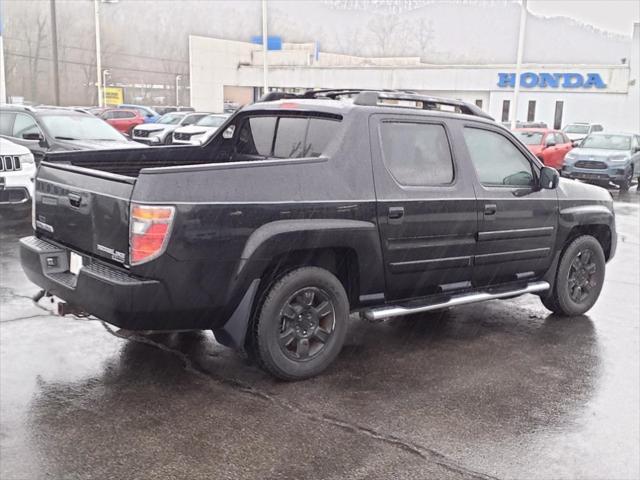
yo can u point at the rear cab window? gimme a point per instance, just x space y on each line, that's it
263 137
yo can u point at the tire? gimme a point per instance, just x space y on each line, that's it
626 183
301 325
168 139
579 278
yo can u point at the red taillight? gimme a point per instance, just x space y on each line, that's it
149 230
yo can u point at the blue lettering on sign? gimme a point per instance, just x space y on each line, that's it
506 80
551 80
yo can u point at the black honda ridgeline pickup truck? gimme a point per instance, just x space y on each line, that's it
304 209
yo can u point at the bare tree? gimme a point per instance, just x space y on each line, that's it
424 35
383 28
35 39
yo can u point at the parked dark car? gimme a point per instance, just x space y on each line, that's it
300 211
44 130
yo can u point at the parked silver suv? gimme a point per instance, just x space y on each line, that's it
605 157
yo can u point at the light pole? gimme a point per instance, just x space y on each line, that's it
105 72
516 87
54 50
265 68
178 78
96 13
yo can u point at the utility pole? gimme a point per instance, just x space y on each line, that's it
96 11
516 88
54 43
265 68
178 78
105 72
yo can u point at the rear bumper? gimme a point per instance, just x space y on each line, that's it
110 294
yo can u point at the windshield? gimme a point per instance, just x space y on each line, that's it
607 142
170 119
80 127
529 138
576 129
211 121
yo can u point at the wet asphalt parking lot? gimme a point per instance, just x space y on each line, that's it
494 390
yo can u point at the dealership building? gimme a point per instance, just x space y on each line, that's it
557 94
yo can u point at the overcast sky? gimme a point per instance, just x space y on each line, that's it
615 16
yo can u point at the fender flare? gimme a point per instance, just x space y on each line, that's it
282 236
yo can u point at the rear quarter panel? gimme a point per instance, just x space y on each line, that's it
223 211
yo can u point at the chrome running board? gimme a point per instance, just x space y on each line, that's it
396 310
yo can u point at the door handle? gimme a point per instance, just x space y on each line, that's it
396 212
490 209
74 199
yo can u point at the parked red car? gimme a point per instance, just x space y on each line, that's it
550 146
122 120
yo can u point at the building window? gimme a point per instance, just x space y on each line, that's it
557 118
505 110
479 103
531 111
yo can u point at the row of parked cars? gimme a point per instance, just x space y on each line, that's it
586 152
176 126
28 133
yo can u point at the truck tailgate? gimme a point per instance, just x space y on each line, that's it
85 209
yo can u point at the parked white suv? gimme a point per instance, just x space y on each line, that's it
17 169
200 132
161 132
578 131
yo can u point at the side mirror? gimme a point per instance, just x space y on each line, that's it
549 178
32 136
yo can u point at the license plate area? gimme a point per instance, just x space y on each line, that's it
591 176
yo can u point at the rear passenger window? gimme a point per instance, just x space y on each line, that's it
417 154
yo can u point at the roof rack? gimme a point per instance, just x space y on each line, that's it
28 108
55 107
364 97
373 98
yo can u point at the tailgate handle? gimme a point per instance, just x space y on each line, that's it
74 199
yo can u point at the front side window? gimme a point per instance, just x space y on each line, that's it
416 154
496 160
24 124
